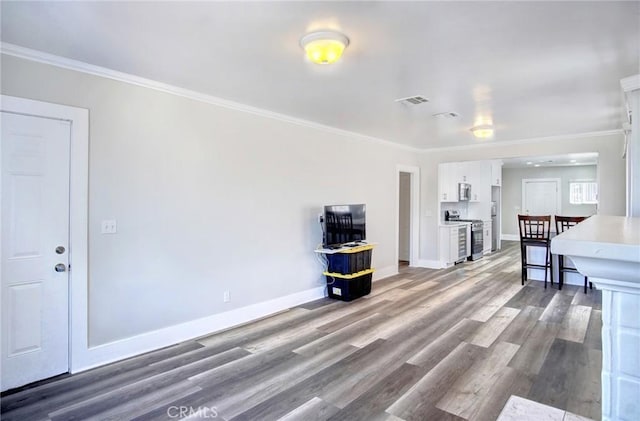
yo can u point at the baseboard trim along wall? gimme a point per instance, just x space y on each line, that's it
509 237
129 347
431 264
385 272
136 345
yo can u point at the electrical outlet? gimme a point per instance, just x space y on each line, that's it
226 297
109 226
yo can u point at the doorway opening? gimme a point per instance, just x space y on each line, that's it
407 216
564 185
529 183
404 219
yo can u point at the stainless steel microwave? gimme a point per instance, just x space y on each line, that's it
464 192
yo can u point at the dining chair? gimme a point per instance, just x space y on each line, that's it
564 223
535 231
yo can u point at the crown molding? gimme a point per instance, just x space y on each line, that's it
526 141
80 66
631 83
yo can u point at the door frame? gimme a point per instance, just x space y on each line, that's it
558 182
414 223
78 213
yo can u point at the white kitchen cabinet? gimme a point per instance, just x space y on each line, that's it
453 244
496 173
445 246
447 182
464 172
479 174
479 178
451 250
486 237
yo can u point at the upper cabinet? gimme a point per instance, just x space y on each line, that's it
463 172
496 173
478 176
481 175
448 182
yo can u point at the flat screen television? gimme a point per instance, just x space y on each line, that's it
344 224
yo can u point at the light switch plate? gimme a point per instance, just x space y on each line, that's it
109 226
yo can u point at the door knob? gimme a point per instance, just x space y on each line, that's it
60 250
60 267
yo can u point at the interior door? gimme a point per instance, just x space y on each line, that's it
35 250
540 197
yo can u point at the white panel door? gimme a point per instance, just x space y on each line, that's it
35 243
540 197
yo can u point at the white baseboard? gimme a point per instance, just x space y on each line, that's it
509 237
385 272
129 347
431 264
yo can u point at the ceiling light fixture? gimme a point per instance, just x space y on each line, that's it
529 163
482 131
537 165
324 47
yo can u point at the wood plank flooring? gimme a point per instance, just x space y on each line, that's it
426 344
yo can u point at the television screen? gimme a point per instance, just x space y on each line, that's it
344 224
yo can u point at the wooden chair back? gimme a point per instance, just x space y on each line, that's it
563 223
534 227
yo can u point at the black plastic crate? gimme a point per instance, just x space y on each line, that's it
347 289
347 263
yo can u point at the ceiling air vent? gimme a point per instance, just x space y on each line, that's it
413 100
448 114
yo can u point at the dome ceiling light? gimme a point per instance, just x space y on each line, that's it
324 47
482 131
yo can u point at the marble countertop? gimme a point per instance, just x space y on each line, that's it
601 237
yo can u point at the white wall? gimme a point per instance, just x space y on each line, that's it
512 191
611 174
207 199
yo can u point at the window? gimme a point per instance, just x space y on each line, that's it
583 192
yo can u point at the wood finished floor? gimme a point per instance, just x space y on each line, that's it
424 345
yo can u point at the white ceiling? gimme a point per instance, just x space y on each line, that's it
566 160
535 69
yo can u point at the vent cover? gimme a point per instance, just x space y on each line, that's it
413 100
448 114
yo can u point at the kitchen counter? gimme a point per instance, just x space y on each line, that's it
607 250
603 238
453 223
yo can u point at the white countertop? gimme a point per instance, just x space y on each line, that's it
453 223
601 237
